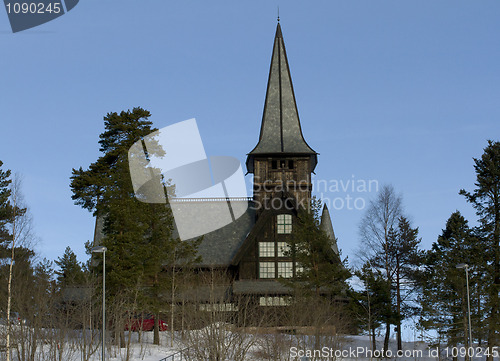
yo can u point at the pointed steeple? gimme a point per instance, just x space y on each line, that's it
326 226
280 132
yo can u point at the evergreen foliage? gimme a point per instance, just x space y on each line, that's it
139 236
319 268
444 294
391 248
70 270
373 303
486 200
5 207
406 258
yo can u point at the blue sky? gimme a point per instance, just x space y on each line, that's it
398 92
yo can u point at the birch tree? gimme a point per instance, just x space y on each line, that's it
381 216
16 230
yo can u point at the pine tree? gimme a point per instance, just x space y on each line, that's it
5 207
105 188
486 200
139 236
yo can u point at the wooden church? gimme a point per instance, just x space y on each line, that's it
254 247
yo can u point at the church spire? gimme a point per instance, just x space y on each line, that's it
326 226
280 132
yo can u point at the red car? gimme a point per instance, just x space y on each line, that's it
144 324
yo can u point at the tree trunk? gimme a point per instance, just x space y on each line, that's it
371 328
182 318
156 332
398 305
171 326
389 284
479 328
9 296
494 319
374 343
494 300
122 339
387 336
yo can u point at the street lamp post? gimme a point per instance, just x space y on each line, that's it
102 249
466 266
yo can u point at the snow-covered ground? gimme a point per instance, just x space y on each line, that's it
347 348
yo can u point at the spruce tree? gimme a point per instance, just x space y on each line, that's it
373 301
70 270
406 259
443 286
486 200
318 268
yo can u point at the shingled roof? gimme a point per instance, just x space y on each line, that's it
220 246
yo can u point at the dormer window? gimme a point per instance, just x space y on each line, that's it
284 223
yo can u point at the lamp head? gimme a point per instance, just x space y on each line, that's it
99 249
462 265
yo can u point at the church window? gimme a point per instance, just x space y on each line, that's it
274 164
274 301
284 223
290 164
266 249
282 164
283 249
285 269
218 307
267 270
